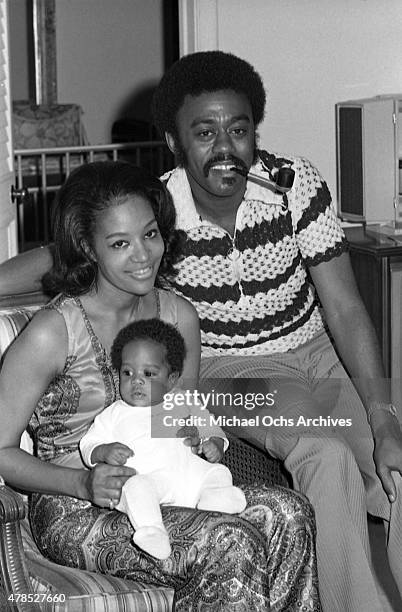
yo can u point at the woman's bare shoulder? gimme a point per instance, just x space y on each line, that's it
44 336
184 307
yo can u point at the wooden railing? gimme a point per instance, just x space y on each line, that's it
43 171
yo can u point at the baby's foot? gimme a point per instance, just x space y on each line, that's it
154 540
222 499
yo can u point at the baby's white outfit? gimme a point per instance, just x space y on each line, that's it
168 472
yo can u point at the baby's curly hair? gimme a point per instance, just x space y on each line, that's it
204 72
157 331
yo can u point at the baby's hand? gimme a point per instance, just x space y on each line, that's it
115 453
191 437
213 449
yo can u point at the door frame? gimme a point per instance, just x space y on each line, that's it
198 25
8 210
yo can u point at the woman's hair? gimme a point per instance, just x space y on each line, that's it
157 331
204 72
88 191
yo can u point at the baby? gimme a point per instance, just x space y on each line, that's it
149 356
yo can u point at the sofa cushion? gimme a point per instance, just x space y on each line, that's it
74 590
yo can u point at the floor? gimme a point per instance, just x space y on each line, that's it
390 595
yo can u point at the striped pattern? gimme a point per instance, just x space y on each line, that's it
91 592
85 591
252 291
12 321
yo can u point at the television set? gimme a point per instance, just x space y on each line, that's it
369 153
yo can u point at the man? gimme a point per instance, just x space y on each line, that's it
252 257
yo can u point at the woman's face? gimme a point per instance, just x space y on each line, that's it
128 247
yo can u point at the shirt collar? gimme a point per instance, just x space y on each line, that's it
187 216
180 190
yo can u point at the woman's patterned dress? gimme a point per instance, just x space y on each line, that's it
262 559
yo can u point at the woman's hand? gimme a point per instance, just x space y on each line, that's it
102 484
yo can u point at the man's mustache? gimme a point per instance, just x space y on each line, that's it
232 159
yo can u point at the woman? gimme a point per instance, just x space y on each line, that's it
114 243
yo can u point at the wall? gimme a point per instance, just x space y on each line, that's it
311 54
109 54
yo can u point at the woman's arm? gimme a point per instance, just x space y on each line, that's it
189 327
32 361
23 273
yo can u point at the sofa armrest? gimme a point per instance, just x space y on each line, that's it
250 464
14 576
12 507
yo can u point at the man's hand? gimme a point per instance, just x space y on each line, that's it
213 449
114 453
388 450
191 437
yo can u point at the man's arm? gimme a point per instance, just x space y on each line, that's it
357 344
23 273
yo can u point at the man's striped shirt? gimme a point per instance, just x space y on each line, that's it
252 290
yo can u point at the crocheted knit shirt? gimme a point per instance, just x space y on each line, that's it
252 290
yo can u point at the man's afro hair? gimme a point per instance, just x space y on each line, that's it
157 331
204 72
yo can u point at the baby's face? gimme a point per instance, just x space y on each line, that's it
144 373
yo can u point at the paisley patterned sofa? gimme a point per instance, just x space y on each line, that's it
29 582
